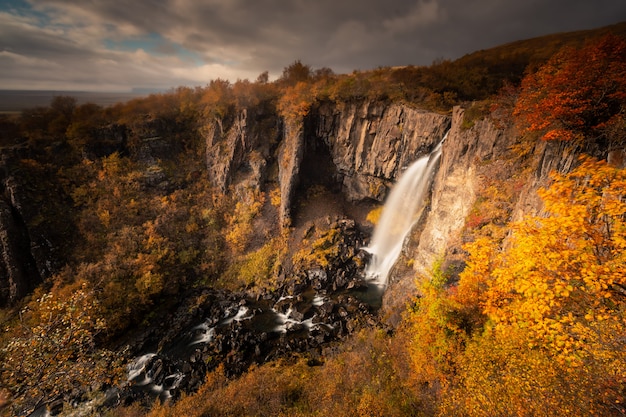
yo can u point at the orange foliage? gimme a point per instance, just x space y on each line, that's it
296 101
577 94
217 98
53 349
564 276
555 298
535 326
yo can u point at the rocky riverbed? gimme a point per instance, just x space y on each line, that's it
307 312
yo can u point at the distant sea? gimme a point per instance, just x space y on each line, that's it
14 101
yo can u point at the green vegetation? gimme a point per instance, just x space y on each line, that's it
534 324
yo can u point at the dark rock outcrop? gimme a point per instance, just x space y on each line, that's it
105 141
303 314
18 272
240 151
33 224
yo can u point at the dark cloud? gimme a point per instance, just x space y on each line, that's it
242 38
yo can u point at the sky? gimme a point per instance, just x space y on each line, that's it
118 45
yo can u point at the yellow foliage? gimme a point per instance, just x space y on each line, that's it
501 375
563 275
321 251
555 301
258 268
374 215
240 221
437 328
54 349
275 197
149 284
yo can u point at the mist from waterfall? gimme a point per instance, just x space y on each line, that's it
401 210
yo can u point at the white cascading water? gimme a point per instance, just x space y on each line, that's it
400 211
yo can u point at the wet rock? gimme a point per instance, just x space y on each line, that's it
327 308
308 310
357 284
296 315
318 278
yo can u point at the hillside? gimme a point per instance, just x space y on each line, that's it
200 252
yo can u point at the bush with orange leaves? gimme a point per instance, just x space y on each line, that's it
555 299
578 94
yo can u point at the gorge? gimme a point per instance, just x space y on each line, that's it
355 152
306 316
217 251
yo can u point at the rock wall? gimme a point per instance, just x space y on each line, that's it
453 194
24 255
455 185
18 274
372 142
368 143
240 150
290 157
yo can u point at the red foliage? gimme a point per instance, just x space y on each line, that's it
577 94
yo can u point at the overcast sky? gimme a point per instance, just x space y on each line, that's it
115 45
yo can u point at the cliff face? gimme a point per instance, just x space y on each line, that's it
24 253
239 150
370 143
453 194
455 185
18 274
359 148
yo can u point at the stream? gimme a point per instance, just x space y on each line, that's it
248 331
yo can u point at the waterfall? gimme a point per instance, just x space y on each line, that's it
401 210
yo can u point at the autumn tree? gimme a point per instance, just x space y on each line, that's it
323 73
217 101
296 101
555 299
263 78
85 119
54 351
578 94
186 99
295 73
437 335
61 109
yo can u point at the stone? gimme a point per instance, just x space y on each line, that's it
18 272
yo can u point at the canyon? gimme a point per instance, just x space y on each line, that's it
329 169
356 149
